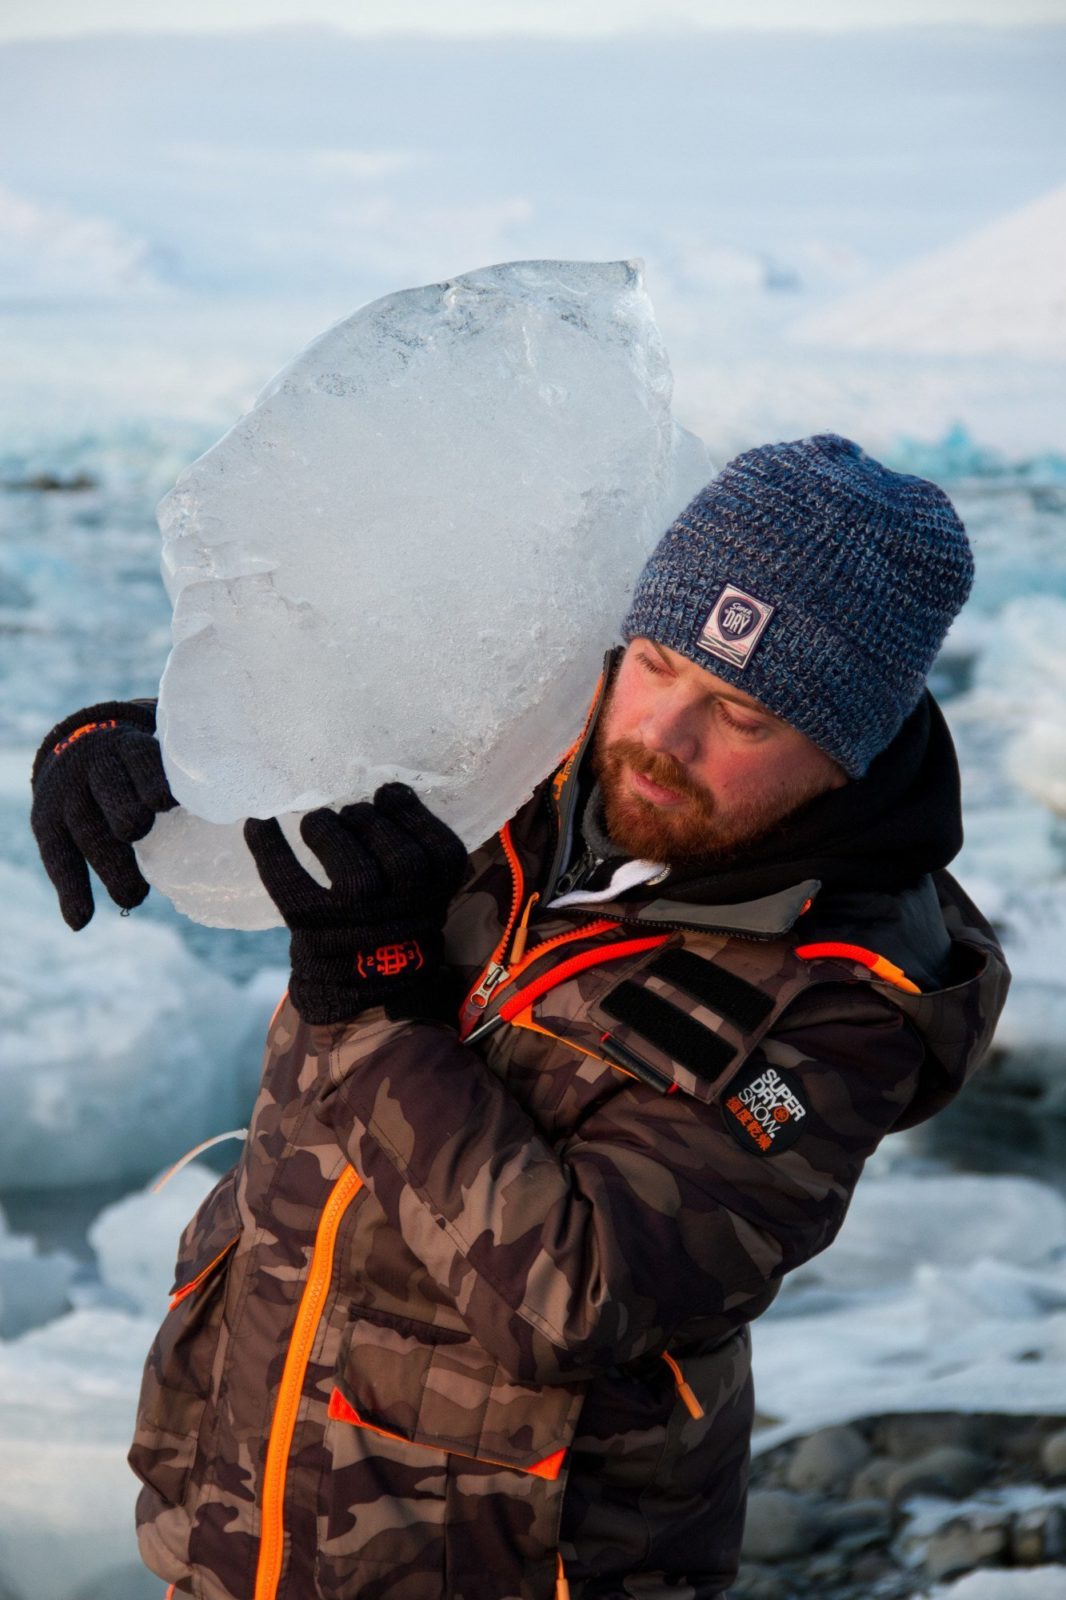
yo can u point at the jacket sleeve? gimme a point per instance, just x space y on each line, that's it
567 1258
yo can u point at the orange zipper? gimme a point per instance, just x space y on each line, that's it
502 976
478 998
290 1390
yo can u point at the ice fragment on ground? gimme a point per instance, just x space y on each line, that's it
949 1220
1021 689
406 561
34 1287
943 1292
134 1058
997 291
66 1416
1032 1583
136 1238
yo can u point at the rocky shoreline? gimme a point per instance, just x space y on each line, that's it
891 1506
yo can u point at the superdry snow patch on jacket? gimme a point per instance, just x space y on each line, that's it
473 1307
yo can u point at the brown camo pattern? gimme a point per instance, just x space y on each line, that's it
535 1228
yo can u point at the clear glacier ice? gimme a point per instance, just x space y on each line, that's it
407 560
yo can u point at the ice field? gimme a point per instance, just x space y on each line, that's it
124 1045
128 1043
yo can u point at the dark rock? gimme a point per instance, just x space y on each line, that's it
760 1583
829 1568
907 1436
857 1524
1021 1445
948 1470
1039 1536
1053 1455
869 1575
779 1526
51 482
827 1460
869 1482
979 1540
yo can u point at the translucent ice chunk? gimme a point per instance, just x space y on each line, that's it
1021 687
407 559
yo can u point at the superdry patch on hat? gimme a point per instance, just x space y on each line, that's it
818 581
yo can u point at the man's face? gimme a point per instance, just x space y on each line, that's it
693 769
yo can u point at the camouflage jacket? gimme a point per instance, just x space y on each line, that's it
470 1316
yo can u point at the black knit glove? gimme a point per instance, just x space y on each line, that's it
374 937
98 784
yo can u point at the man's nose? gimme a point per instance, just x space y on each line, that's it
672 728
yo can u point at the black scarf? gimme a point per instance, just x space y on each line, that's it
885 830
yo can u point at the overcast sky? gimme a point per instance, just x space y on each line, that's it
40 18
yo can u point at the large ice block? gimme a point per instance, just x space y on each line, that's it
407 559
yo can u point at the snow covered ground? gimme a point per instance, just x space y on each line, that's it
943 1292
997 292
1033 1583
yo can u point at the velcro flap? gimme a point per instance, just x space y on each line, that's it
672 1031
692 1020
733 998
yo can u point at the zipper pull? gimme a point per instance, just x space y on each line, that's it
562 1588
684 1393
494 976
518 949
580 873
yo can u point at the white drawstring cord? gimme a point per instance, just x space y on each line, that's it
197 1149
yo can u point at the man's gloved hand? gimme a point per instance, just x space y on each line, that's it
374 937
98 784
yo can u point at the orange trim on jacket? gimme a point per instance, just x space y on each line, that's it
194 1283
579 963
341 1410
879 966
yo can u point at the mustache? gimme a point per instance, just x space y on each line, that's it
656 765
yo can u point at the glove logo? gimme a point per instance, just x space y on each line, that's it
79 733
390 960
764 1109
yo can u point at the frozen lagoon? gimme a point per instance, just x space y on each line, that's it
85 617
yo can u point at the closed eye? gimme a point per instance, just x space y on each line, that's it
751 729
652 664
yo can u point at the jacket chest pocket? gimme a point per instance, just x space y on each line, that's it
179 1372
440 1467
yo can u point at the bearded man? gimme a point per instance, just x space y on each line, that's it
541 1131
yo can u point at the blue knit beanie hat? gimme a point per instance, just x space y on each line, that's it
816 580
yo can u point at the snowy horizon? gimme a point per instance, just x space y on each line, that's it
498 18
309 160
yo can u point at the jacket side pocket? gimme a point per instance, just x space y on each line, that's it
177 1381
441 1464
